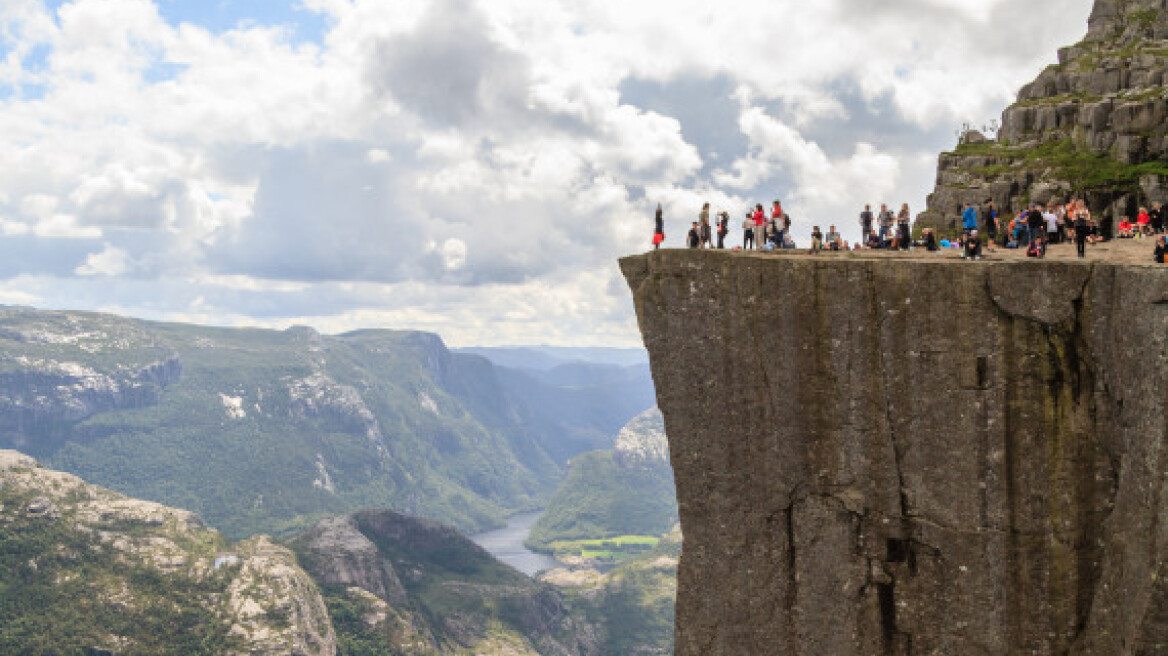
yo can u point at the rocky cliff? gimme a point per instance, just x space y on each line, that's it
1092 125
85 570
913 456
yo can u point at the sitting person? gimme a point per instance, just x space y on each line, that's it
929 240
972 247
1037 248
1125 229
834 241
1161 250
816 239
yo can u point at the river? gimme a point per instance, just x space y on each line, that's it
506 544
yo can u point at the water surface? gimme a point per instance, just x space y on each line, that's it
506 544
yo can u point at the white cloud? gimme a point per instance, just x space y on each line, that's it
110 262
477 161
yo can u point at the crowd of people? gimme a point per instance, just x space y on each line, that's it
1033 229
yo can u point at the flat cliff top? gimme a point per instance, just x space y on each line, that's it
1116 251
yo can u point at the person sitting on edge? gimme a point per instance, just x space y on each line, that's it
930 240
972 247
816 239
695 237
1143 222
1125 229
834 241
873 240
1037 248
1161 250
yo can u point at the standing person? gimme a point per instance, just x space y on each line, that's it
777 222
866 221
991 225
695 237
885 218
723 229
1144 222
903 223
1156 217
759 226
1052 225
968 220
704 228
658 228
1082 230
1035 222
748 232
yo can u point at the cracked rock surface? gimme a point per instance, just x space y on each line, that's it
913 456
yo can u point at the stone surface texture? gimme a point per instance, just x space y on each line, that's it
1091 125
913 456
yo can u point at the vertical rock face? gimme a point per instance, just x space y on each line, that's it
913 457
1092 125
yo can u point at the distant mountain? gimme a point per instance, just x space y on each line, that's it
543 358
86 571
263 431
628 490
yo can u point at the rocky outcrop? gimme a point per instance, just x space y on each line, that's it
1092 125
913 456
642 442
115 574
422 588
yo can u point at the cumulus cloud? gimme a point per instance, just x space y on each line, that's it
464 166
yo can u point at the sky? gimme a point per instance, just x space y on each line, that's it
473 168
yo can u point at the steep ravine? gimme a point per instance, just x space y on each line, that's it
913 456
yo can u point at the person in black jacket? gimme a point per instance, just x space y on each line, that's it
695 236
723 228
1156 218
1161 250
1036 222
1082 231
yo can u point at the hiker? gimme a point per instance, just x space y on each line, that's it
1161 250
695 237
1082 231
1035 222
816 239
930 240
704 228
1144 222
723 229
777 222
1156 217
834 241
759 226
969 220
866 221
904 231
1052 225
1037 248
748 232
873 240
990 223
885 218
1125 230
972 247
658 229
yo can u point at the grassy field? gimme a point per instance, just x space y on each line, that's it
606 550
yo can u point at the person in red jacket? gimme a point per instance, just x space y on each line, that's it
759 226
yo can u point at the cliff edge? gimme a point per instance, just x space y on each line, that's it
914 456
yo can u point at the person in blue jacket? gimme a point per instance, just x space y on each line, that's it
969 219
